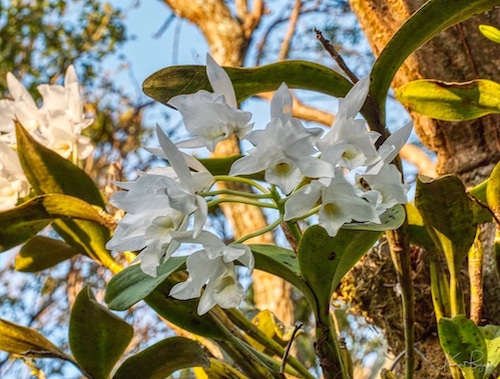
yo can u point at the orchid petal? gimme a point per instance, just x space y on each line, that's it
220 81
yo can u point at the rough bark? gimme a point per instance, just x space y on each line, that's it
228 39
468 149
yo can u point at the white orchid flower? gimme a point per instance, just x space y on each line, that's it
349 143
13 182
283 149
340 204
212 117
160 202
213 266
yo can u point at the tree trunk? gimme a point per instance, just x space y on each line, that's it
228 40
468 149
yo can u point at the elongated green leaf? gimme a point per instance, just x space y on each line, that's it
221 166
451 101
50 173
183 312
446 208
132 285
97 337
481 212
178 80
464 344
27 219
418 232
491 335
17 339
432 18
490 32
163 359
40 253
220 370
324 260
493 190
283 263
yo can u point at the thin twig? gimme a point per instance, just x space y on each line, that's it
298 325
335 55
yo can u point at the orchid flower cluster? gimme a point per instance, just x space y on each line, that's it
340 176
57 124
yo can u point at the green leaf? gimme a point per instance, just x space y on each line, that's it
481 214
433 17
27 219
464 344
446 208
221 370
451 101
418 232
490 32
178 80
41 252
283 263
493 190
324 260
17 339
132 285
491 335
183 312
48 172
97 337
163 359
221 166
390 220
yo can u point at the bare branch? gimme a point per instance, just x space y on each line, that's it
285 46
335 55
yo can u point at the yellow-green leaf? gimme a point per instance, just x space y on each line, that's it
17 339
490 32
451 101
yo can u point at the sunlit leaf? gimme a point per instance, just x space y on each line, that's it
390 220
491 335
433 17
451 101
41 252
97 337
48 172
132 285
163 359
27 219
178 80
17 339
324 260
464 344
480 206
221 370
490 32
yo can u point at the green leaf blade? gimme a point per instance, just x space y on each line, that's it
163 359
451 101
132 285
97 337
17 339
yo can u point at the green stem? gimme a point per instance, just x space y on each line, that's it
268 228
328 349
400 254
243 323
236 193
476 278
237 179
260 204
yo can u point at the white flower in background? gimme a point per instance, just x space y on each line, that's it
283 149
212 117
213 266
57 124
13 182
161 201
349 143
340 204
63 118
